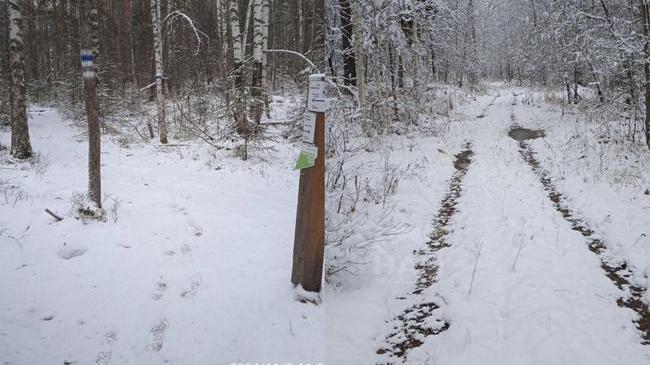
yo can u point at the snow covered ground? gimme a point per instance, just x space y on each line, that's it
192 265
194 268
519 286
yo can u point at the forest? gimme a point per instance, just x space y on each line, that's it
324 182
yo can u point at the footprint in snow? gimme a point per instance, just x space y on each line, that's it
159 290
195 282
194 228
186 250
104 357
70 251
178 209
158 334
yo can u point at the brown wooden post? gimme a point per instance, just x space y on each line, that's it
309 240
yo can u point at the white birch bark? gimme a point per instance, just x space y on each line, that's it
235 32
266 11
21 147
247 23
258 24
158 50
260 35
238 60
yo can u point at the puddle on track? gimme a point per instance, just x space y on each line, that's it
522 134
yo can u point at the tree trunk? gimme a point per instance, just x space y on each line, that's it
21 147
393 83
266 12
88 34
645 15
158 61
359 64
247 22
576 96
238 60
472 59
433 64
301 26
260 32
349 59
400 72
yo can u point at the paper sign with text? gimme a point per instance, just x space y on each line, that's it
309 127
316 101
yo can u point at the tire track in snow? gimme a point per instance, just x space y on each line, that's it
484 112
618 273
415 323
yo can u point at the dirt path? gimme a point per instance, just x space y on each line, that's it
418 320
506 279
415 322
618 272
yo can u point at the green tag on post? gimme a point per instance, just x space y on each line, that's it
306 158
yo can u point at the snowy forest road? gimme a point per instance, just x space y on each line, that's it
515 282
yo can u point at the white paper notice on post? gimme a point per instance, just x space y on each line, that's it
316 101
309 127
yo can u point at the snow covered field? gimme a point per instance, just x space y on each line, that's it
192 265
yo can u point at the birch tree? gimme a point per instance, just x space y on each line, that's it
137 43
266 14
158 61
260 42
238 74
21 147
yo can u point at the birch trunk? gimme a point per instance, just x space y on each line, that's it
260 32
266 11
238 60
21 147
247 23
158 61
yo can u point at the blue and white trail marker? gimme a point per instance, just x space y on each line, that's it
87 64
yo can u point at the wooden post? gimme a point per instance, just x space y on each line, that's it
309 240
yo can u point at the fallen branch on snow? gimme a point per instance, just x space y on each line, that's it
56 217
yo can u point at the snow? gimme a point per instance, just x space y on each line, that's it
192 265
538 295
205 251
605 182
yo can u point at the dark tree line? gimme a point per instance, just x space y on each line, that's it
102 55
125 44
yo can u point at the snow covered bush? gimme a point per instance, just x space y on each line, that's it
360 183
